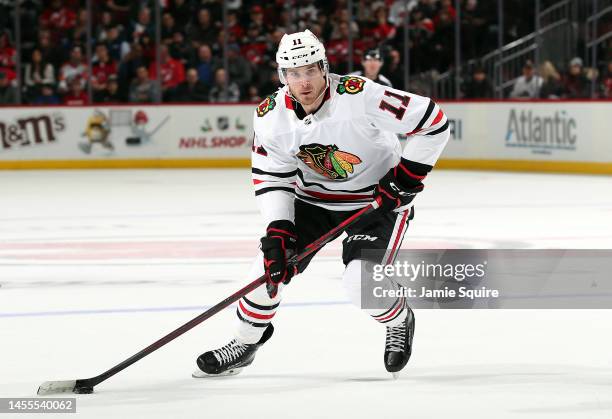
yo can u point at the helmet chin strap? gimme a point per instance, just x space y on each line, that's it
318 97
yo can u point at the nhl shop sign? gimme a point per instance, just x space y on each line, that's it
542 132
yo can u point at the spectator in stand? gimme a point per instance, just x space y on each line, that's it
149 50
606 85
128 67
394 68
426 8
253 95
528 85
116 44
8 92
181 11
47 96
142 88
58 19
474 28
79 32
446 6
111 93
192 89
120 9
576 85
105 25
206 64
37 73
75 69
384 30
257 18
421 30
51 53
102 69
76 94
142 25
204 30
326 27
172 72
337 49
443 40
254 46
372 63
285 21
271 85
180 48
219 93
478 86
239 68
168 27
551 82
7 55
343 18
233 25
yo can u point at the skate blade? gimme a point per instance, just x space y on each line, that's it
201 374
395 375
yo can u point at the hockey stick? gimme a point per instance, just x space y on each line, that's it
85 386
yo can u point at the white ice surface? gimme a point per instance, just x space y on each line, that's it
96 265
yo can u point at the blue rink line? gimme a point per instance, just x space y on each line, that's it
146 310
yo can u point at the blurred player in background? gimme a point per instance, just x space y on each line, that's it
372 62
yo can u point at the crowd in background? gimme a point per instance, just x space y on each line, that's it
123 69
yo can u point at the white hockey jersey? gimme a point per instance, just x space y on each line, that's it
335 156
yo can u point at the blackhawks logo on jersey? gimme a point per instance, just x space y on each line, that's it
328 161
267 105
350 85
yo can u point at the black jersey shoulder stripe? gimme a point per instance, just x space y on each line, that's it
439 130
273 188
277 174
305 183
426 116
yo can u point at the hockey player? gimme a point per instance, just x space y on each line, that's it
325 146
372 62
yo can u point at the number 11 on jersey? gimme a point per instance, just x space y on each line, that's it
397 111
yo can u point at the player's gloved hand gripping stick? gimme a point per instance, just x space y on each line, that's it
398 187
279 245
84 386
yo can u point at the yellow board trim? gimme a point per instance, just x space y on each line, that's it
124 164
594 168
458 164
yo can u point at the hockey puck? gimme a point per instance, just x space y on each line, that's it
83 390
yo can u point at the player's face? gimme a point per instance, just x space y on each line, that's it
372 66
306 83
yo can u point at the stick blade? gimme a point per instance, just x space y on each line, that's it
56 387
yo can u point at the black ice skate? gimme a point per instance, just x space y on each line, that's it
398 345
229 359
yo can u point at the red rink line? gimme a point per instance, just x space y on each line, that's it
169 249
179 249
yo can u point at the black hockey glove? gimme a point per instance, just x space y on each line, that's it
278 246
399 186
